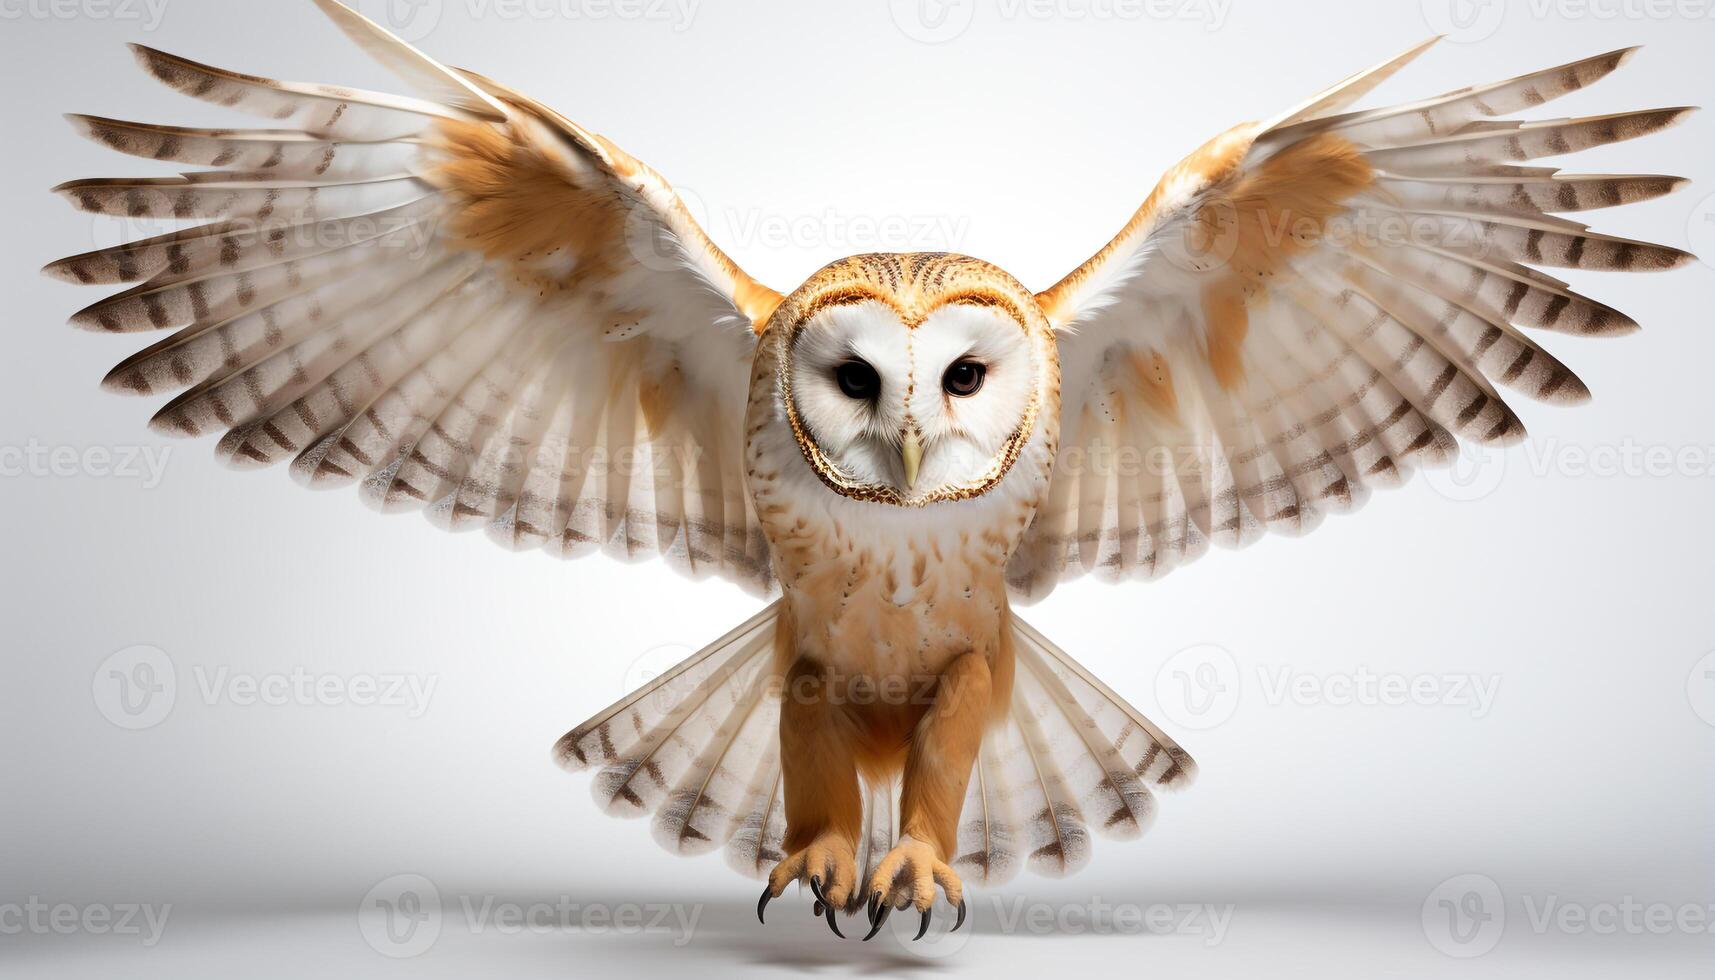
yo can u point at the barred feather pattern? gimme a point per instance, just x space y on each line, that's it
1073 760
759 843
341 301
614 734
1035 793
1318 305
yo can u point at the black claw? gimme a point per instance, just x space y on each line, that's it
823 906
762 903
961 920
816 910
833 923
880 917
922 928
873 909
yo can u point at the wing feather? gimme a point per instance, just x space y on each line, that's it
465 303
1323 303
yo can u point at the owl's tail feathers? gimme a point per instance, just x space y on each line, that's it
699 748
1071 756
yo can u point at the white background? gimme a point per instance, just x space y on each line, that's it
801 132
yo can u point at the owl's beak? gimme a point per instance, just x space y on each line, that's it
911 454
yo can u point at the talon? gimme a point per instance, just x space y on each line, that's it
823 906
762 903
833 923
880 917
874 906
910 875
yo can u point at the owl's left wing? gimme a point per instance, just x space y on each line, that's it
1315 305
467 303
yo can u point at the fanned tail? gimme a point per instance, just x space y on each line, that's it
1137 742
757 846
692 738
1071 757
699 748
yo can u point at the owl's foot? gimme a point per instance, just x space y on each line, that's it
828 866
908 876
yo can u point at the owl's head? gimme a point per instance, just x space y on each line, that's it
912 379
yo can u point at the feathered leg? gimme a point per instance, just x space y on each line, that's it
824 808
937 768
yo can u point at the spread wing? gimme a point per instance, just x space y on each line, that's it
465 303
1315 305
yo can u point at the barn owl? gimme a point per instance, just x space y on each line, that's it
466 304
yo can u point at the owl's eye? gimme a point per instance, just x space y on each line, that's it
964 378
858 380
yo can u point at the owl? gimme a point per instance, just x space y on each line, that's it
468 305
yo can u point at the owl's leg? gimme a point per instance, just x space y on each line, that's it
937 767
824 811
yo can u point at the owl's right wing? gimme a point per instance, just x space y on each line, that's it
1315 305
466 303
